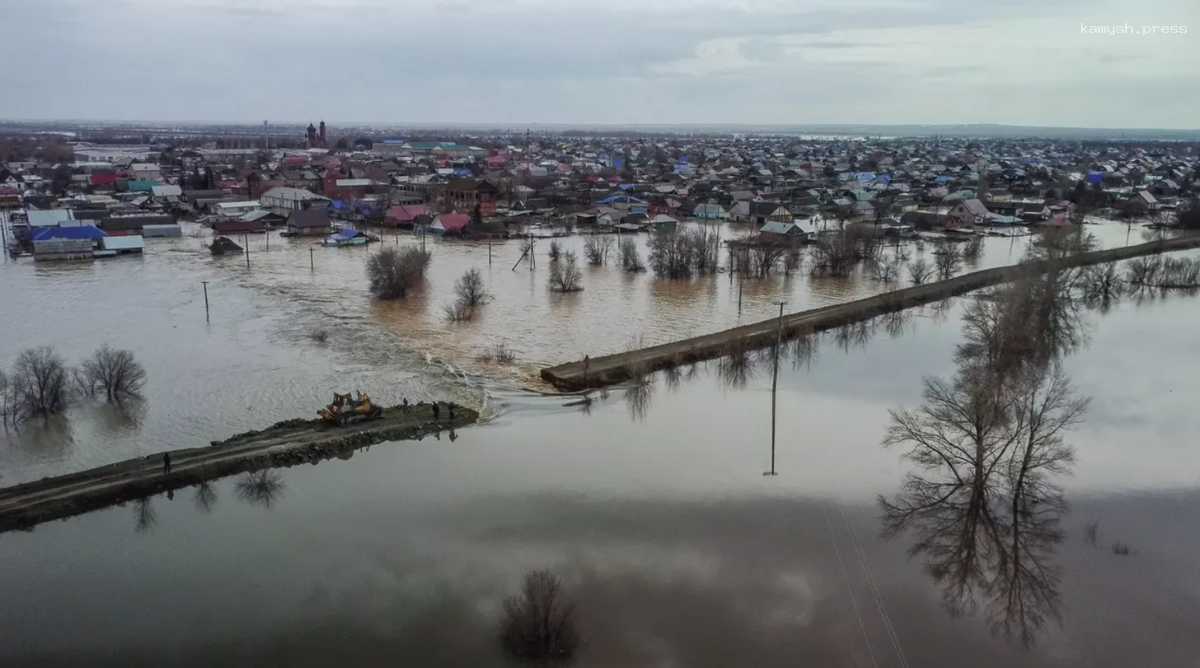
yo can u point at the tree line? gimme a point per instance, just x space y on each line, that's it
40 384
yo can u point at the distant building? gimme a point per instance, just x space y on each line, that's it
406 215
284 199
465 194
968 212
235 209
793 230
450 224
309 222
66 243
710 211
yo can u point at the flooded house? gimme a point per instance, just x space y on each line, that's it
309 222
795 230
405 215
450 224
710 211
235 209
968 212
77 242
284 199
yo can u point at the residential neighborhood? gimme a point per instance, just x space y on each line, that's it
499 184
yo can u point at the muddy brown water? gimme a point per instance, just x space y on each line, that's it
651 505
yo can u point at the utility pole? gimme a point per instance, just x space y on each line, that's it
775 384
312 265
246 242
205 284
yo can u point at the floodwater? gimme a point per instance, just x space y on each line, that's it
652 506
257 360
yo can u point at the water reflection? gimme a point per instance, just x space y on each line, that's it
144 515
205 497
738 366
983 505
638 396
261 488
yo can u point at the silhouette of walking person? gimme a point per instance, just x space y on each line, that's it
436 411
166 462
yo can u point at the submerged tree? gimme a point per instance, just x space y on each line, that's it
470 293
392 273
40 382
565 275
947 261
539 623
631 260
596 248
116 372
919 271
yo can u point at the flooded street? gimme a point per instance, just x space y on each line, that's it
650 503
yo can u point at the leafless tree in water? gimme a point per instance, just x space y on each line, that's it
539 623
116 372
597 248
470 293
565 275
919 271
391 273
631 260
40 380
947 260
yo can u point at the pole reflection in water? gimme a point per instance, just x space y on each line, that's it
775 382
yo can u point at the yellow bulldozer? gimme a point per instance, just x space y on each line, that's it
345 410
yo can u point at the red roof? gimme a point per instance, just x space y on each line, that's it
454 222
407 214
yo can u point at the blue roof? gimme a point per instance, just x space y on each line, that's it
623 198
80 232
345 233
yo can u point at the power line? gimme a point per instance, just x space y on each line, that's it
846 576
879 603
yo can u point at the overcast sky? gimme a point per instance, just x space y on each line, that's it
514 62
